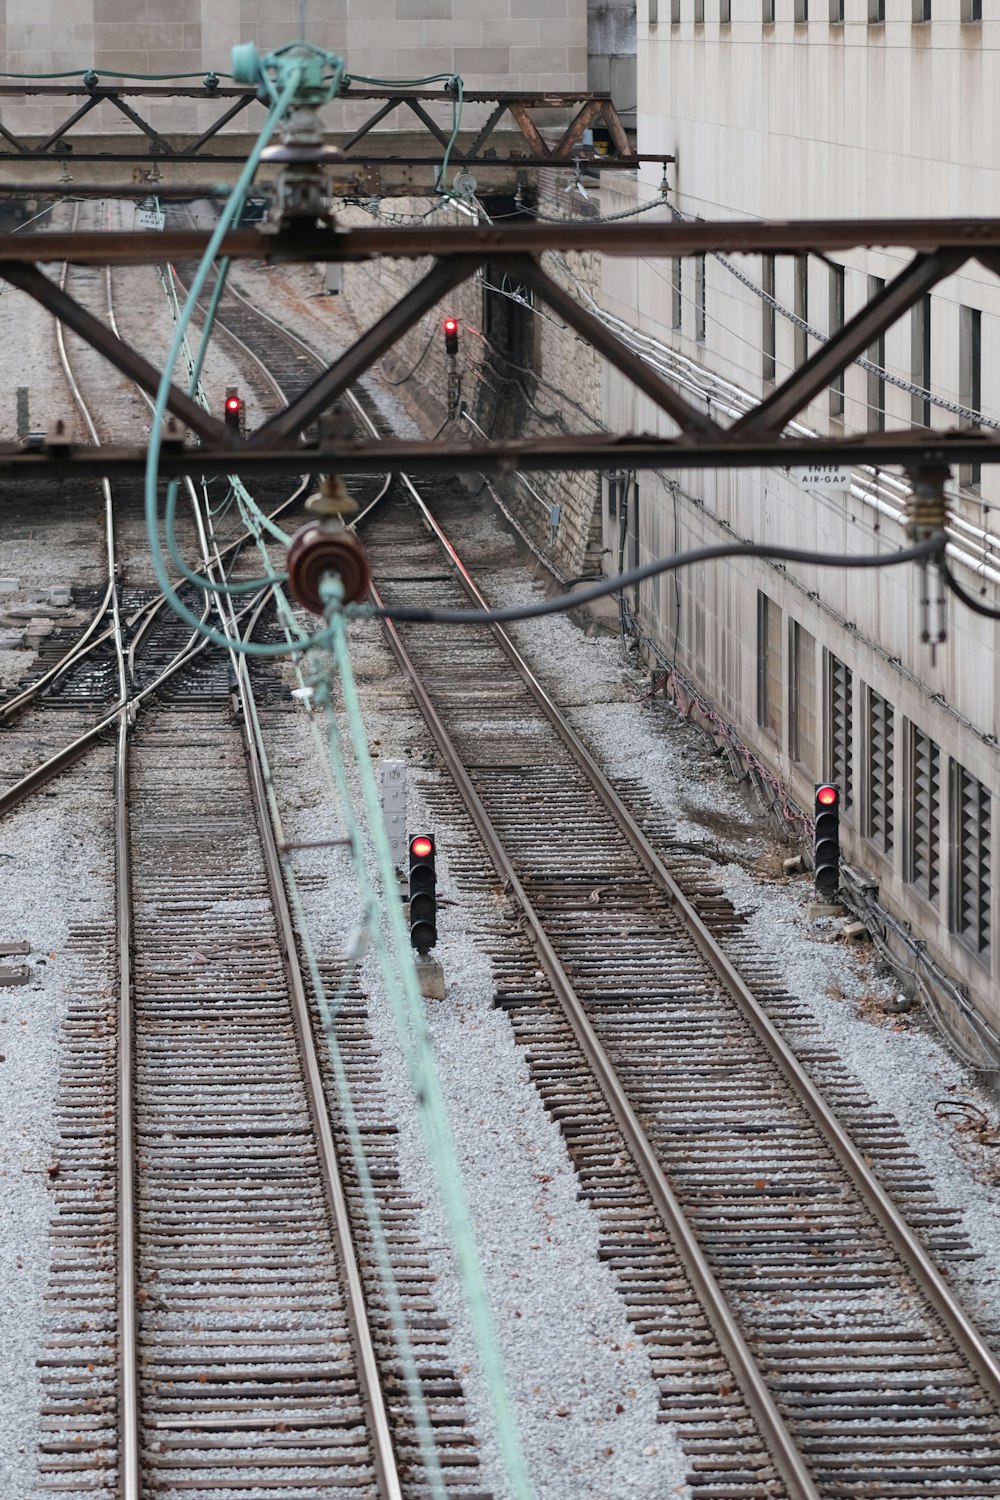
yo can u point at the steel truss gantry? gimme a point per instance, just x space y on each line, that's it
757 438
385 153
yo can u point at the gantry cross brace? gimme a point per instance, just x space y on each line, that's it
456 254
511 116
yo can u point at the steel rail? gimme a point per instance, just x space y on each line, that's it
778 1440
774 1430
904 1240
76 652
906 1243
128 1357
272 839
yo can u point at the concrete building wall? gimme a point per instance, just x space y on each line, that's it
787 120
529 45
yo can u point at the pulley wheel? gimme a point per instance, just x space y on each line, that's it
316 551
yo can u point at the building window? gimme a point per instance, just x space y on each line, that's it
970 860
700 315
769 665
970 380
876 12
836 12
767 12
699 12
677 292
697 614
803 745
921 10
922 801
801 308
725 12
972 10
675 12
654 12
876 354
768 321
801 12
920 356
837 277
879 780
839 691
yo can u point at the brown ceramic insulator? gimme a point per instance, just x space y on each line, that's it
316 551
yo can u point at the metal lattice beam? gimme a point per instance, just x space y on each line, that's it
133 101
758 438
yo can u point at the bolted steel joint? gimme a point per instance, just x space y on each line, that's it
322 548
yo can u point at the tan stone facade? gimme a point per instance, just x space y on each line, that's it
528 45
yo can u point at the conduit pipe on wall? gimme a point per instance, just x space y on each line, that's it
723 397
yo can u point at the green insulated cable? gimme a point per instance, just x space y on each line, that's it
432 1110
281 103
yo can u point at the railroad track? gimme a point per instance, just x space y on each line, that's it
775 1261
773 1273
216 1332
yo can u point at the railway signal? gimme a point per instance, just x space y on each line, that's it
234 409
423 898
451 335
826 843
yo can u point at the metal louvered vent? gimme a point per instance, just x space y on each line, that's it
924 806
881 722
839 718
970 882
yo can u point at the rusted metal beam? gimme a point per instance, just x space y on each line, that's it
528 128
587 106
440 279
57 135
492 121
124 358
842 348
234 109
370 124
688 418
439 135
573 134
162 145
574 452
971 236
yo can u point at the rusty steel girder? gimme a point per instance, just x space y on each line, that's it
362 143
454 255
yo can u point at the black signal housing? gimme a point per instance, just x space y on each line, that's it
423 892
234 409
826 839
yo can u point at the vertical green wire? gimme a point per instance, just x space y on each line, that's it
431 1108
397 966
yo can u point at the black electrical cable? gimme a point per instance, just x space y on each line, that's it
967 599
933 548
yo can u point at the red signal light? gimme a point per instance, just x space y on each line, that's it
450 325
827 796
233 404
421 846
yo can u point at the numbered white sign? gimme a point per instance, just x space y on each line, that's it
394 807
